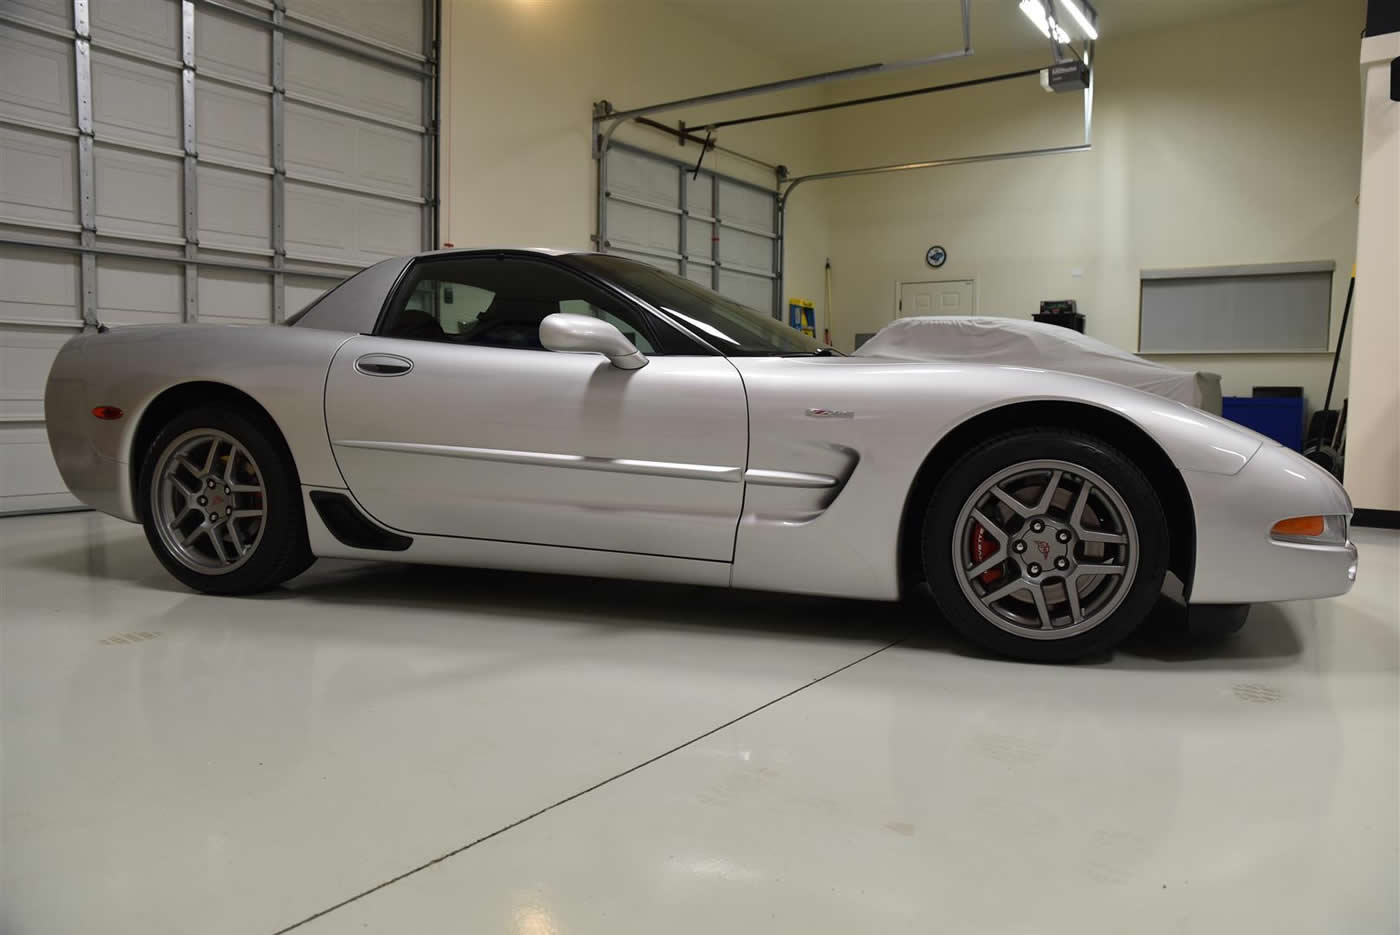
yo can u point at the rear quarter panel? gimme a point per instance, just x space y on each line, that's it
283 369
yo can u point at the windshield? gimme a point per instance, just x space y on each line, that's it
735 330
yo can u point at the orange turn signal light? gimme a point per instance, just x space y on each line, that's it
1299 526
107 413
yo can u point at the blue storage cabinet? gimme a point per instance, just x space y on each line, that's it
1279 417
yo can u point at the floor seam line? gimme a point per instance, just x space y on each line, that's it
582 792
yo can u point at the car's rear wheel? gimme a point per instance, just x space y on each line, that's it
1045 545
221 504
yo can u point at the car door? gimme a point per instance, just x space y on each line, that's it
452 420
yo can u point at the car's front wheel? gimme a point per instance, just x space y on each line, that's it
1045 545
221 504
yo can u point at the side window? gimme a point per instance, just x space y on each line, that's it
495 302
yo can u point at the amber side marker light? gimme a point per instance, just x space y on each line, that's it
107 413
1299 526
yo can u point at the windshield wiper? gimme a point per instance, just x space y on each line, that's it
819 352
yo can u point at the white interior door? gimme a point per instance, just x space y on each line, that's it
944 297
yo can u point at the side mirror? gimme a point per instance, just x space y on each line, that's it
564 331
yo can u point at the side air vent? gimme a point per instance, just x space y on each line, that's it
350 526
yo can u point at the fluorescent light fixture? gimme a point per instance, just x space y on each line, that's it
1036 14
1085 25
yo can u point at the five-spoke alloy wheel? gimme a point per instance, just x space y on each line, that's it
208 501
1045 545
221 504
1047 549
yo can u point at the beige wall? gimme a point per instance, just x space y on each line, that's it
1373 437
1222 142
1225 142
520 79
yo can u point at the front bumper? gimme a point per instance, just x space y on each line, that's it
1237 561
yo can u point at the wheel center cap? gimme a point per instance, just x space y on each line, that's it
1046 546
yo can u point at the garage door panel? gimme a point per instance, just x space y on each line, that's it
395 22
139 292
670 266
699 193
26 354
339 148
135 101
232 46
699 239
386 228
38 177
747 206
234 296
661 181
138 193
53 12
37 78
646 179
151 26
390 159
240 255
736 246
629 224
235 209
234 123
322 74
754 291
32 481
346 228
319 224
38 284
172 250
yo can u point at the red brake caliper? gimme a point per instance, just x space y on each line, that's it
983 547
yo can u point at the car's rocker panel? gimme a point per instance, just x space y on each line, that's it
521 556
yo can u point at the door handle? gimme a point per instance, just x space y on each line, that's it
383 365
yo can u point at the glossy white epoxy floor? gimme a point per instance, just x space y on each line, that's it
177 763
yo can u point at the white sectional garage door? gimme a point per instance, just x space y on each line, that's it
717 230
195 160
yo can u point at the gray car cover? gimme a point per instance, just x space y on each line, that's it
1023 343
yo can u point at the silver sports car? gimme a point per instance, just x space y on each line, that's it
585 414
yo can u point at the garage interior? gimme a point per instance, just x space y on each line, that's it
400 748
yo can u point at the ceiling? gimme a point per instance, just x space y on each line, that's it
822 34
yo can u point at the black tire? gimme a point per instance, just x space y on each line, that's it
280 550
1216 623
1123 608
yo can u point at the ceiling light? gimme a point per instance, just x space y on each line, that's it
1086 25
1036 14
